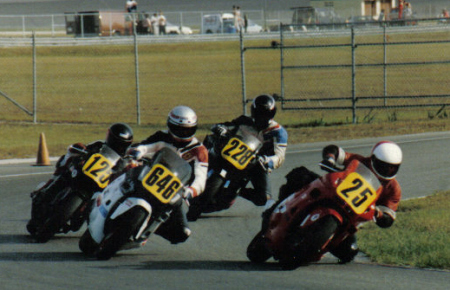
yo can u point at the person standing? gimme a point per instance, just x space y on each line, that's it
154 23
131 6
162 22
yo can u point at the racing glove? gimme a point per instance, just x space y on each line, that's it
384 216
135 153
220 130
188 193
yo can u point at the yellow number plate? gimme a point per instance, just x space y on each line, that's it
357 192
99 169
161 182
237 153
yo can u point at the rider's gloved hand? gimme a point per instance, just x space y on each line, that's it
135 153
328 162
263 160
188 193
219 129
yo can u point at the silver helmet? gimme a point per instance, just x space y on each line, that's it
182 123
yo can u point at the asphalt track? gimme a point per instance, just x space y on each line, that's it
214 257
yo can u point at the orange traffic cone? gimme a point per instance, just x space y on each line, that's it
42 158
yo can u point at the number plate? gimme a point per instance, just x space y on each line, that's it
99 168
237 153
162 183
357 192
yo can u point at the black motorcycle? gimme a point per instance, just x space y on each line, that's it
61 206
230 159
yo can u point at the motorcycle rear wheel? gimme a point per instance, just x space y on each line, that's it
122 229
257 252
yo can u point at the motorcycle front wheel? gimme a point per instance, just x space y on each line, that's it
120 231
307 243
257 251
87 244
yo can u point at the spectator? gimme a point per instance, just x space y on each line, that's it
400 9
147 25
245 22
154 23
131 6
445 13
162 23
237 19
381 16
408 10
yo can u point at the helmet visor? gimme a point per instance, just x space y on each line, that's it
182 132
385 170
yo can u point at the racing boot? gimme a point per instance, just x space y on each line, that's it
251 195
346 251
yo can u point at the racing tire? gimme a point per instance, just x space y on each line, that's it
120 232
87 244
257 252
307 244
60 216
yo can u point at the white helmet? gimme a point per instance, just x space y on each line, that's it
386 159
182 123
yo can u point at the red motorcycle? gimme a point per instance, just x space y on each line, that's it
317 218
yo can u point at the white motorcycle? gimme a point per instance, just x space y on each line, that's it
135 205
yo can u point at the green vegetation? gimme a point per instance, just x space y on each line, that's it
420 237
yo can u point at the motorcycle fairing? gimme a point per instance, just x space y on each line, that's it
317 200
99 166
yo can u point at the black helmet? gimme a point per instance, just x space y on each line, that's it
263 110
119 137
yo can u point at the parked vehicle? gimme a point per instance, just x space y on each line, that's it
134 205
362 21
177 29
225 23
323 18
231 157
99 23
317 218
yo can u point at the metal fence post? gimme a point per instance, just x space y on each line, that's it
136 67
244 89
353 77
34 80
385 63
282 65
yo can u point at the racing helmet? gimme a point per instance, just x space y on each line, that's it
386 159
263 110
182 123
119 137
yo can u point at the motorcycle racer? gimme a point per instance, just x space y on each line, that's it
179 136
384 161
271 155
119 137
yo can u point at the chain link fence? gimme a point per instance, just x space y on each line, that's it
354 72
